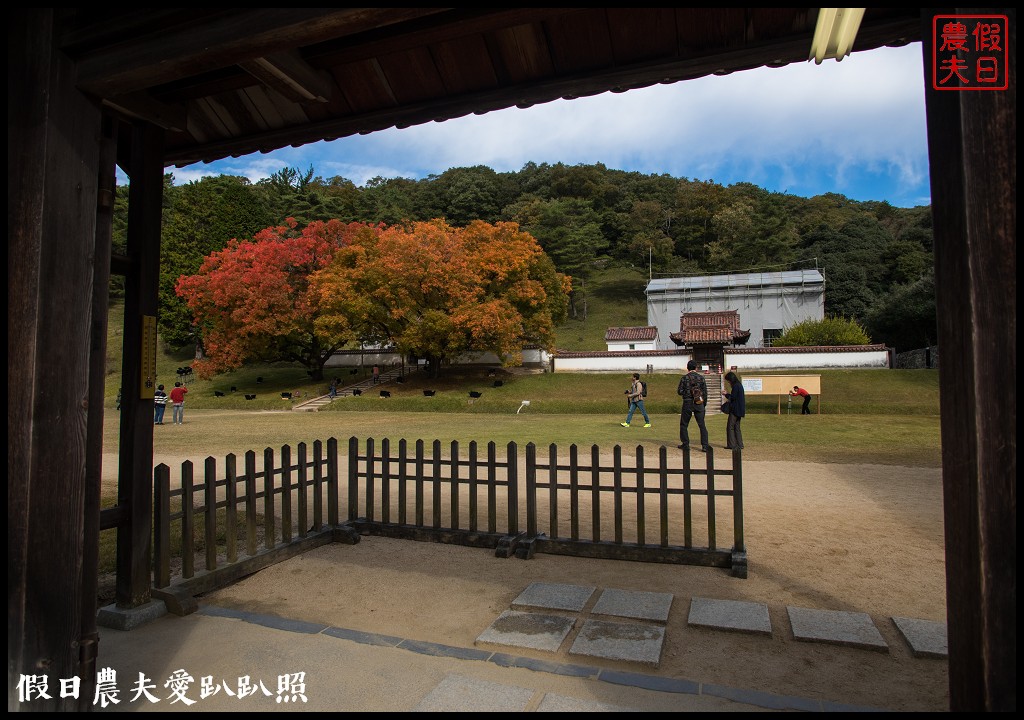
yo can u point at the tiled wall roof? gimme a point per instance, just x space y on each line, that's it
631 333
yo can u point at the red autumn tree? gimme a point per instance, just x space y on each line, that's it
252 300
436 291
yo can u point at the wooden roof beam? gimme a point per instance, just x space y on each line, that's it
291 76
180 52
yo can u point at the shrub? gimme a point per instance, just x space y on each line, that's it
829 331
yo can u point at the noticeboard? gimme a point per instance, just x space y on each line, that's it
781 385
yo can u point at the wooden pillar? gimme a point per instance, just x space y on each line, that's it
972 150
135 461
52 164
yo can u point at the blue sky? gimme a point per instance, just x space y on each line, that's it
855 127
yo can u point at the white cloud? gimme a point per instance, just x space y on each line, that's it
855 127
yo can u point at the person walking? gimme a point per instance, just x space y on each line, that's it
178 403
635 395
694 390
333 392
806 409
737 410
159 405
376 374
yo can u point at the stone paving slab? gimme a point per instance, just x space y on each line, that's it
634 604
529 630
735 615
553 702
458 693
926 638
554 596
836 627
635 642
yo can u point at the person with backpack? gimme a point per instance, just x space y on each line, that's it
694 391
636 394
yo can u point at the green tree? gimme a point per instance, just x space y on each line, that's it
200 219
906 318
462 195
389 201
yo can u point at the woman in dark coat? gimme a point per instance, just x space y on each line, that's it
737 409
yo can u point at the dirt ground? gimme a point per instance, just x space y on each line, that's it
861 538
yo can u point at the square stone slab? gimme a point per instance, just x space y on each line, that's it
554 596
528 630
562 703
926 638
836 627
737 615
458 693
635 642
634 604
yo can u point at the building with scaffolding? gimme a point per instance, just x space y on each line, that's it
766 302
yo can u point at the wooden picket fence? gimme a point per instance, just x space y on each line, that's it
235 521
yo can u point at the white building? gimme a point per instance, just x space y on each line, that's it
631 338
766 302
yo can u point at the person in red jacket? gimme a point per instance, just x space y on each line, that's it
806 409
178 403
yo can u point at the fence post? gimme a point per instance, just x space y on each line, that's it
687 500
553 490
370 493
352 481
286 499
435 500
210 523
513 489
454 486
737 501
617 493
231 511
418 479
712 532
250 502
332 477
531 491
473 519
663 495
268 496
492 490
318 485
574 492
303 490
162 525
403 477
385 481
595 491
188 549
641 523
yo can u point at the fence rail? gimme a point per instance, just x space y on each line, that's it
568 503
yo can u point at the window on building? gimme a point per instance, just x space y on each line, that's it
632 346
768 336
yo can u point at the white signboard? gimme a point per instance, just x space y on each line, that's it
753 385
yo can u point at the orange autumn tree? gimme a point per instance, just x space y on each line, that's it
252 301
436 291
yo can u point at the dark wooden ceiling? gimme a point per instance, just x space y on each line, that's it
237 81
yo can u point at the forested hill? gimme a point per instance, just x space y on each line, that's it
876 258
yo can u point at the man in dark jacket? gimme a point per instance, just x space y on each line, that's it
694 390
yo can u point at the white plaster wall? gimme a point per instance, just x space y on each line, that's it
772 361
